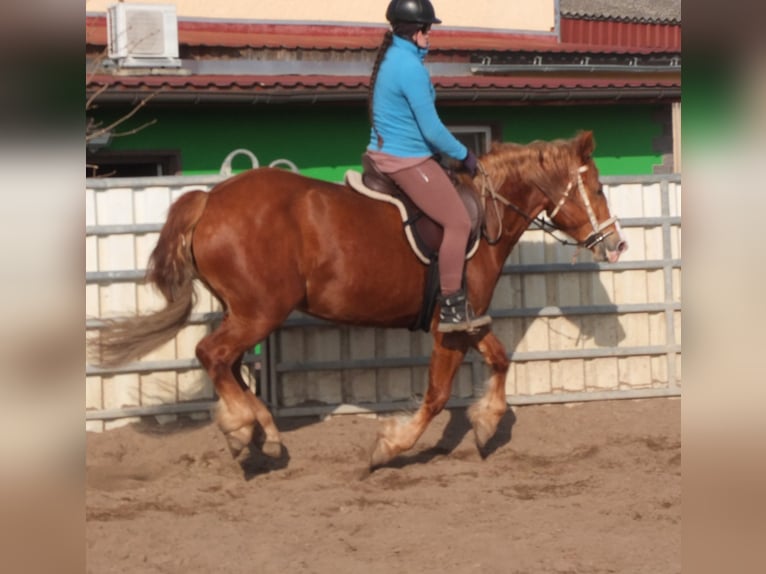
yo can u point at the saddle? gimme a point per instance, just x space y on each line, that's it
423 233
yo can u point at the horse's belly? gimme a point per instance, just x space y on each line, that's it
366 280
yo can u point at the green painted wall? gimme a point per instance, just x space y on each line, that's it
624 134
326 141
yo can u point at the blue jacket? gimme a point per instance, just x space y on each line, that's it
403 107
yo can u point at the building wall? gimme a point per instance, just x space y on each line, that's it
325 142
537 16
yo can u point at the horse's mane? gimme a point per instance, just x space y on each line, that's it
539 163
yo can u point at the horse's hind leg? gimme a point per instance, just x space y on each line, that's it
238 409
485 414
268 446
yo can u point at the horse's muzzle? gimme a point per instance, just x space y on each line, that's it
606 246
613 255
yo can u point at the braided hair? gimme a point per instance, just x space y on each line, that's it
384 45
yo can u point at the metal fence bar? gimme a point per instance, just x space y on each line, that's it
667 253
403 362
271 374
299 320
187 180
515 400
584 267
191 180
156 366
643 179
532 312
142 228
126 229
380 407
591 396
194 319
150 410
136 275
158 181
122 276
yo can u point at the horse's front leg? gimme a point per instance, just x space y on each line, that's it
398 435
485 414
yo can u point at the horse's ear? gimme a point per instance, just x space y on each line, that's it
585 144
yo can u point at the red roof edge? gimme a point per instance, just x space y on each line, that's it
618 34
576 35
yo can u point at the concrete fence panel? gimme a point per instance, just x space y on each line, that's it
574 330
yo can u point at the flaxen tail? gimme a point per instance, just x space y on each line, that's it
171 270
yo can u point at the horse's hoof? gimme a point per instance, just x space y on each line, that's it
238 440
272 448
381 455
236 446
482 429
482 434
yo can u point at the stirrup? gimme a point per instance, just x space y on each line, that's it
456 314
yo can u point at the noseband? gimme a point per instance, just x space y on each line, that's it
598 235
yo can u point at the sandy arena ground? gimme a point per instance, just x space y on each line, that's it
588 488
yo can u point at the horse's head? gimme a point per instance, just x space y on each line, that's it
581 209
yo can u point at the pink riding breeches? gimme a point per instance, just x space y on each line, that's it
432 191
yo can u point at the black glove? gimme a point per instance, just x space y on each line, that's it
469 163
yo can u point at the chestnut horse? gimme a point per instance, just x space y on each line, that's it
268 241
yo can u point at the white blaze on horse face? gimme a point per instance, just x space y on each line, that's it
613 255
623 244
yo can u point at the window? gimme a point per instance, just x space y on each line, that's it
476 137
132 163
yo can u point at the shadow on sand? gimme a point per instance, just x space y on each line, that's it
455 431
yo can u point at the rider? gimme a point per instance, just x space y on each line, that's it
406 133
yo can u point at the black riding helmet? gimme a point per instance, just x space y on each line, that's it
420 11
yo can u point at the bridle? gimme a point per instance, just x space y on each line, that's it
488 192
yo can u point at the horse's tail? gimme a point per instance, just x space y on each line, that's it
171 270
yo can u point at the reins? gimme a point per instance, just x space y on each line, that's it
598 235
488 191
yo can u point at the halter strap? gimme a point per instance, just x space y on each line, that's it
560 204
488 190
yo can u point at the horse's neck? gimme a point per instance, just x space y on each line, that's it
527 200
526 203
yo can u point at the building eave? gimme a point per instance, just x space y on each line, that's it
309 90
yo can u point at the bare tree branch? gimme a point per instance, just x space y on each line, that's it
99 130
94 95
135 130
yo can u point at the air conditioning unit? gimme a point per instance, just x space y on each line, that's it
143 34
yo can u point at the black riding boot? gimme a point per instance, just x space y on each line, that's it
456 314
